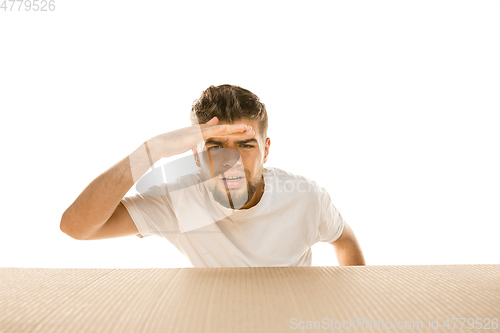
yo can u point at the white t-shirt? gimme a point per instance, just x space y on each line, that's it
293 214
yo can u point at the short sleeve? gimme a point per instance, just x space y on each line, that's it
331 223
152 212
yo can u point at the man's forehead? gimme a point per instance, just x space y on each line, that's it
251 122
248 121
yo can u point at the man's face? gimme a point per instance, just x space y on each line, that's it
234 156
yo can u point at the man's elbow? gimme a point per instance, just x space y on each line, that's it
66 227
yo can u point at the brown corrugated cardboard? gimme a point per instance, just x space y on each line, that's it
252 299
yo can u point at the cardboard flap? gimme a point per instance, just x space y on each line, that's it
249 299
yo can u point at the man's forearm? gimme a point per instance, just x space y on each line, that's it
99 199
349 253
347 248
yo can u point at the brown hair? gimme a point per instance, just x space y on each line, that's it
229 103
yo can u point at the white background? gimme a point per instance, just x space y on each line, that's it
392 106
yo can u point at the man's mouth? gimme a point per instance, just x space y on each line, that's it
232 178
233 182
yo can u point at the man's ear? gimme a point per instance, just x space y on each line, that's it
196 157
266 149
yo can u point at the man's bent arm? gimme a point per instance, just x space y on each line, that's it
347 249
95 205
101 198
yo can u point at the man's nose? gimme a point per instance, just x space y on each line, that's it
230 157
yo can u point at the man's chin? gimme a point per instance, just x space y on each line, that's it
238 197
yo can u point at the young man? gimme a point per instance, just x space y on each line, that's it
233 211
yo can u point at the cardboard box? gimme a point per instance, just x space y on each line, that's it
252 299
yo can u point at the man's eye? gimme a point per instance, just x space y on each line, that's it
214 147
247 146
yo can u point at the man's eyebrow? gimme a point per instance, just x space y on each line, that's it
218 142
247 141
